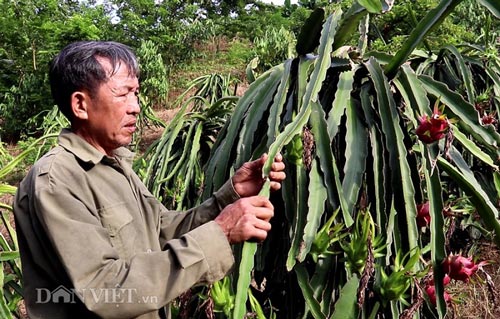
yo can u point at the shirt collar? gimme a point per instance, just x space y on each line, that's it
86 152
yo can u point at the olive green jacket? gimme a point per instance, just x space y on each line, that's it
95 243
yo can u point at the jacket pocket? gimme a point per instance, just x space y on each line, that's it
118 221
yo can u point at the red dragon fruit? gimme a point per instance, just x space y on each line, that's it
432 128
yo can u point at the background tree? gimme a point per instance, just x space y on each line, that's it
32 31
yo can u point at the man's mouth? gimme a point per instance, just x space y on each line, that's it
130 127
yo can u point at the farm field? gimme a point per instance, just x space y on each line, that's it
386 114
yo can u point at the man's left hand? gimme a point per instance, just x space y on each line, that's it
248 181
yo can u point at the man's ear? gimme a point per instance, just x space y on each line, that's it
80 101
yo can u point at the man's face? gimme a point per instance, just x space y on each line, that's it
113 110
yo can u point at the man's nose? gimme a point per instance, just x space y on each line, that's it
134 106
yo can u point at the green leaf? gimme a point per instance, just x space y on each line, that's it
245 269
341 101
324 60
356 153
413 93
6 216
328 162
7 189
255 306
310 33
5 206
400 169
252 65
321 65
7 169
493 6
466 180
216 171
298 205
273 121
308 293
191 163
346 305
4 243
493 72
496 180
254 115
4 309
472 147
431 20
438 241
292 129
316 204
349 24
8 255
320 281
163 150
379 164
465 72
372 6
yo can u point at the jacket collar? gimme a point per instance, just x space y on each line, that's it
86 152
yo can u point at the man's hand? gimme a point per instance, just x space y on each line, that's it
246 219
248 181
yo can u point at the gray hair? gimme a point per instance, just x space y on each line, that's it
77 68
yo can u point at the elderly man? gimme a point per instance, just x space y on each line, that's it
94 242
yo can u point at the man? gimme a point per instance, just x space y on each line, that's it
94 242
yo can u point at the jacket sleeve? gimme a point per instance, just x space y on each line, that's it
174 224
114 287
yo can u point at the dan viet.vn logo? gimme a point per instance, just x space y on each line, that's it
62 294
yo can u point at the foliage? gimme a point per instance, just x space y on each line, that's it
478 20
275 46
154 74
346 127
5 157
239 52
172 167
10 267
344 119
174 26
32 31
391 29
22 102
261 17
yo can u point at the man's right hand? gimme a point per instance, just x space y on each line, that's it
246 219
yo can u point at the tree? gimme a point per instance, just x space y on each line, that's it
32 32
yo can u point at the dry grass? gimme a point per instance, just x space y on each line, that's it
479 298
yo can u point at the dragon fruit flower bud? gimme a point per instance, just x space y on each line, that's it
423 216
446 280
431 292
459 267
